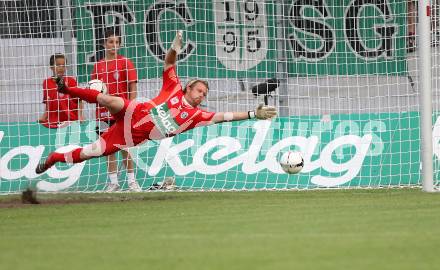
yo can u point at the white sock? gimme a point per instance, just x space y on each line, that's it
130 177
113 178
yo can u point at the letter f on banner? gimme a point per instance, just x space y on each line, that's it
120 14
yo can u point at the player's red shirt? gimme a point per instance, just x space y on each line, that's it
117 74
59 107
169 114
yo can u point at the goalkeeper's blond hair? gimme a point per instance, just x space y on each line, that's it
193 82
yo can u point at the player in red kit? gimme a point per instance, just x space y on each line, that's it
60 107
120 77
173 111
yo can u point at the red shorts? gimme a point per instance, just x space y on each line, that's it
122 134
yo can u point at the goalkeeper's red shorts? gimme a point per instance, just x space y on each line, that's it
122 135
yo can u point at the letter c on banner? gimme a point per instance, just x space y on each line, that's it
152 28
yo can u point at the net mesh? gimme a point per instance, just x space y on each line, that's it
343 74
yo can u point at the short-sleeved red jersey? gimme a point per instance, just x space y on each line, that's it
59 107
169 114
117 74
176 116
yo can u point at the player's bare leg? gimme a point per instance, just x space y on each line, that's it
112 173
128 162
113 104
95 149
54 157
129 165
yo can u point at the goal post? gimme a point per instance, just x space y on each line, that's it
354 83
424 49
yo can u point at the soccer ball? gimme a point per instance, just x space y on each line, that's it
98 85
292 162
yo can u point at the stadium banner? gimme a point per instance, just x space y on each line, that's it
362 150
348 37
237 39
220 44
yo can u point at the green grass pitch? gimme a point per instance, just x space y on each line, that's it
337 229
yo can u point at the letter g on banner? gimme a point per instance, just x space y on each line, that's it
152 28
384 30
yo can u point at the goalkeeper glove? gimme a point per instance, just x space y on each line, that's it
61 86
177 42
264 112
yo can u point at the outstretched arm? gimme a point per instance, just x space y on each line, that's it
263 112
176 47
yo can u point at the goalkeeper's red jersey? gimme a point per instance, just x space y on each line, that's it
116 74
169 114
60 107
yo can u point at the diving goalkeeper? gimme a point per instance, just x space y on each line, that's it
173 111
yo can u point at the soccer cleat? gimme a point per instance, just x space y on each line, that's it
61 86
169 183
47 164
41 168
112 187
134 187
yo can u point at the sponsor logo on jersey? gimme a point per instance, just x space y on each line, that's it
163 119
184 115
174 100
116 75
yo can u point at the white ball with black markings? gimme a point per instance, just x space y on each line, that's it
292 162
98 85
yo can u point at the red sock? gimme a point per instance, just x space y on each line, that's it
71 157
88 95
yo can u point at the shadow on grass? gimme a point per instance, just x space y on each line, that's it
32 199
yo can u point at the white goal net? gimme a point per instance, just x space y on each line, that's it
342 74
